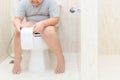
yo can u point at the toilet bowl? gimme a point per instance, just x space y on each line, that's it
37 46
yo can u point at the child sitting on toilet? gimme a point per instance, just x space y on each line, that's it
43 15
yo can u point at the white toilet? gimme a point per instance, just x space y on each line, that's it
36 44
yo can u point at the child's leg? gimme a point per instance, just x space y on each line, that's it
17 49
50 36
17 53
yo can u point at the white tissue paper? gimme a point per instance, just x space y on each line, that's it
27 38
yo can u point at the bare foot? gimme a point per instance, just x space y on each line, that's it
17 66
60 65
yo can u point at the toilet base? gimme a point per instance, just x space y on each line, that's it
37 62
37 57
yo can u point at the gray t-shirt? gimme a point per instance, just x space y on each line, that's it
47 9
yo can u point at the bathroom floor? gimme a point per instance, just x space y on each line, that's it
109 67
72 72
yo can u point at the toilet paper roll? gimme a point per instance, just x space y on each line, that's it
27 38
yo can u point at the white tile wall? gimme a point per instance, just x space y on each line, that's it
109 26
69 26
5 28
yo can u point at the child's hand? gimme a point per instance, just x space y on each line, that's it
38 27
18 27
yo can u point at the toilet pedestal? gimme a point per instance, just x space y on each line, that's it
36 44
37 57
